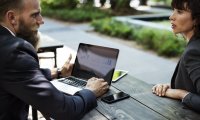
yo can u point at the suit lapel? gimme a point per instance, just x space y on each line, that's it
4 31
174 76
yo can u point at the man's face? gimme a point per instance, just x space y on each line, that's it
25 32
29 22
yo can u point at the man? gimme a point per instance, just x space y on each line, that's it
22 82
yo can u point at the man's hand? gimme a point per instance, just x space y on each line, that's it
97 86
67 67
160 89
65 70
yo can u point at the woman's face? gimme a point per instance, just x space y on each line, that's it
182 22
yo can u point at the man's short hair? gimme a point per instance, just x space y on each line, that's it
6 5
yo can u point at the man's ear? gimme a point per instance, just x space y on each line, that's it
11 17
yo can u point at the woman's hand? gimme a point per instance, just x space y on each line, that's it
165 90
160 89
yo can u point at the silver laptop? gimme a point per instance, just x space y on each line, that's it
91 61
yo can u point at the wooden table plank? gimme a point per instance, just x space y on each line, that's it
94 115
141 91
132 85
128 109
172 109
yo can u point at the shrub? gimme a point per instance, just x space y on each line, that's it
113 28
171 45
81 14
144 36
120 4
161 41
60 3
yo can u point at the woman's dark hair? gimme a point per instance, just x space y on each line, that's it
6 5
194 7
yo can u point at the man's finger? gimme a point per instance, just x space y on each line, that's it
69 58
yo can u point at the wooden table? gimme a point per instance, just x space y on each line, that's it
142 105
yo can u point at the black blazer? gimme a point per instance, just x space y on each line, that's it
187 74
22 83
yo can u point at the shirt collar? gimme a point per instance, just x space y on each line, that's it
9 30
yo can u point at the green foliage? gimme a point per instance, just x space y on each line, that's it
171 45
90 2
81 14
166 2
143 36
113 28
161 41
60 3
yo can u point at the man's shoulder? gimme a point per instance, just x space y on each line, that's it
10 43
10 46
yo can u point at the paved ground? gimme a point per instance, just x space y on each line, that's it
140 64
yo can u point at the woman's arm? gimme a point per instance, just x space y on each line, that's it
176 93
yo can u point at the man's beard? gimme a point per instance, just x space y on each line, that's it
27 34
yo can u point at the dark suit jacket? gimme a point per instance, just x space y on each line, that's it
22 83
187 74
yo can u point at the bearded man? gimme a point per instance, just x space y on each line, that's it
22 82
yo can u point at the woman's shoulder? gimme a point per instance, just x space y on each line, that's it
194 44
193 49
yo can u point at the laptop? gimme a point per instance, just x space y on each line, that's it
91 61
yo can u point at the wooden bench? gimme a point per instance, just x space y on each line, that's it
53 49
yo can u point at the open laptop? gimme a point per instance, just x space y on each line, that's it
91 61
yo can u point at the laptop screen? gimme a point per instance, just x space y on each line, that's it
95 61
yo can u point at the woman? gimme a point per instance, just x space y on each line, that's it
185 83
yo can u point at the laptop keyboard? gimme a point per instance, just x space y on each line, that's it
74 82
